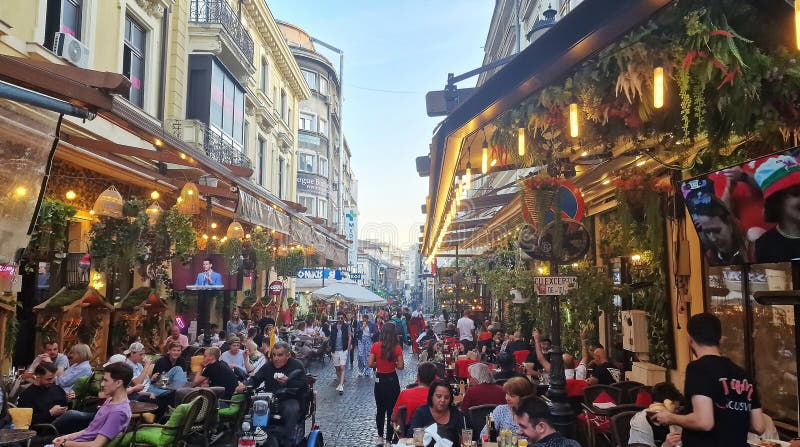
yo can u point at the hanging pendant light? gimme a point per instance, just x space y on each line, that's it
153 211
468 176
109 203
521 141
658 87
235 231
573 120
484 157
189 199
797 23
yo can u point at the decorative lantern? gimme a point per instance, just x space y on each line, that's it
658 87
235 231
109 203
573 120
153 211
189 200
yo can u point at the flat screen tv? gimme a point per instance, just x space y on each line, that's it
748 213
194 276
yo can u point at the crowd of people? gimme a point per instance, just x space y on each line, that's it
462 365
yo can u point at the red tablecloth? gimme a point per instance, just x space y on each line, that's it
461 367
575 387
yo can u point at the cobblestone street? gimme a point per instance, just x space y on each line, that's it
349 420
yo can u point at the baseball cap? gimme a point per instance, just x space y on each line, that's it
134 347
116 358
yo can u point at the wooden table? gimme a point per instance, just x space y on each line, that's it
142 407
15 436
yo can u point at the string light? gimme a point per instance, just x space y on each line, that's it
658 87
573 120
484 156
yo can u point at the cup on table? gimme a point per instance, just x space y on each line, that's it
419 435
466 437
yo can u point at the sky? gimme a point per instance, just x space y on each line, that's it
394 52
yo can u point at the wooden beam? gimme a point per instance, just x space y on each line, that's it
120 149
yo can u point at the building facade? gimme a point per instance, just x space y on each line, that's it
213 100
321 157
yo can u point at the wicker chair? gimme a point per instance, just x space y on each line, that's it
206 415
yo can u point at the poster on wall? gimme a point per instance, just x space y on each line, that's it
748 213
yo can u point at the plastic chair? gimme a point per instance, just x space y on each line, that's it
477 418
21 417
621 428
521 355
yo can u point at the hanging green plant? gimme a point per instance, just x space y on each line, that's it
181 233
12 330
118 243
231 249
50 231
263 244
288 265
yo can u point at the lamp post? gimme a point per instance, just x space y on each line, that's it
563 416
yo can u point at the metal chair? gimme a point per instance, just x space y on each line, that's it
621 428
477 418
627 386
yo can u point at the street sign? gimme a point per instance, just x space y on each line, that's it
437 104
554 285
319 274
355 276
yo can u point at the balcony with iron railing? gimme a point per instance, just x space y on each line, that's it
216 27
214 145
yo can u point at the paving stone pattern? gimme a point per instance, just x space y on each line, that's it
349 420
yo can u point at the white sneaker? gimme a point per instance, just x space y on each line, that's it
379 441
340 389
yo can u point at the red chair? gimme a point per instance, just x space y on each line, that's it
462 366
521 356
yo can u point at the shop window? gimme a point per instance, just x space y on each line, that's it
773 343
724 290
311 79
133 59
63 16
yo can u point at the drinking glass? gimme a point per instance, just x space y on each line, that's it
466 437
419 435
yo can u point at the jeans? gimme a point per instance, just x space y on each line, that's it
387 388
72 421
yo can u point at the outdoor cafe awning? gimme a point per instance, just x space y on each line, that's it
586 30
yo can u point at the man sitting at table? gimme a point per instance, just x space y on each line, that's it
506 363
47 400
112 417
603 372
535 423
413 398
175 336
216 373
208 277
482 389
173 366
237 358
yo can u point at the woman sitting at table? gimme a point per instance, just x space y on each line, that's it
516 388
482 388
431 353
642 433
440 411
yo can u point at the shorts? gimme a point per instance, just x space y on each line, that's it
339 358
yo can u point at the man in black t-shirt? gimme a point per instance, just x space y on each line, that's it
216 373
603 371
47 400
724 402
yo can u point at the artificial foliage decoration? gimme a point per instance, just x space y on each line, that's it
729 77
231 249
50 232
288 264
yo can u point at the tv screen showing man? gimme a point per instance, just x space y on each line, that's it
208 277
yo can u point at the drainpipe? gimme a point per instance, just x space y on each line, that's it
162 81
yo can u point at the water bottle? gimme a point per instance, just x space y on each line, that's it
246 440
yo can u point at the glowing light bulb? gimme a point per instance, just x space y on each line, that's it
658 87
70 195
213 225
521 141
21 191
155 195
468 176
573 120
484 158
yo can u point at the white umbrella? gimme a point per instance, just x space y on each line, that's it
350 292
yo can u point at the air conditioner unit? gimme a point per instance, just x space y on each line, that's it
634 331
71 49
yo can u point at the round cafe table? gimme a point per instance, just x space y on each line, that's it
142 407
8 436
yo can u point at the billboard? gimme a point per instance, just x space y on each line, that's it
351 234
